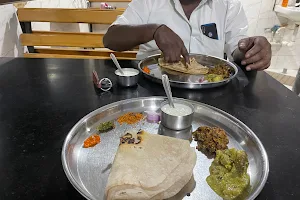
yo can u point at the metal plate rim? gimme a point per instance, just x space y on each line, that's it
244 126
191 85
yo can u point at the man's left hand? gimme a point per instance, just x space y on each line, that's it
257 51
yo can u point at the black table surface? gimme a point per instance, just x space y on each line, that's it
41 99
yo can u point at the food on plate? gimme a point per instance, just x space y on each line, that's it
152 116
192 68
146 70
130 118
210 139
91 141
150 166
106 126
178 110
213 77
220 69
218 73
127 72
171 72
228 174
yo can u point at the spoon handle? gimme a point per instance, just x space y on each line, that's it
167 87
114 59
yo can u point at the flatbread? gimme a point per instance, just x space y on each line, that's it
158 167
193 68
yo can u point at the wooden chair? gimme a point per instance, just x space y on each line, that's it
36 40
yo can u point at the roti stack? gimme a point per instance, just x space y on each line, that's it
192 68
149 166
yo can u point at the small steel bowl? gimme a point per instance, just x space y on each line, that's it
177 122
127 81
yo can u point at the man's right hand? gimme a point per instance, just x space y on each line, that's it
170 44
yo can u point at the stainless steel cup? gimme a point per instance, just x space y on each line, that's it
127 81
177 122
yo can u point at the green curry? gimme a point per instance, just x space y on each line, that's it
228 174
106 126
214 77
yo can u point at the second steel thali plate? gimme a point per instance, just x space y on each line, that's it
182 80
88 169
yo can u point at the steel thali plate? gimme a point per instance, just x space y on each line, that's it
181 80
88 169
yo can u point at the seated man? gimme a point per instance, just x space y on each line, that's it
179 27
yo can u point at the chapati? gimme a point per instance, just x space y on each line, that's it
149 166
193 67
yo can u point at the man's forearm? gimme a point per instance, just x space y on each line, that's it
126 37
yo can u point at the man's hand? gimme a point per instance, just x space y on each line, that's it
257 52
170 44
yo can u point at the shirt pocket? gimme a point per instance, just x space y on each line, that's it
213 47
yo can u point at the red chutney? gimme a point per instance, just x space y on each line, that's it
92 141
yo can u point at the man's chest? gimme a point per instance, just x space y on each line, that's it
174 16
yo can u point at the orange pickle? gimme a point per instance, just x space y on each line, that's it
91 141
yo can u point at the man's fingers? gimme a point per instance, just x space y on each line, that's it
245 44
254 50
185 55
171 56
261 65
167 58
254 58
175 57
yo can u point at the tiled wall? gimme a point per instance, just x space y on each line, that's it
261 16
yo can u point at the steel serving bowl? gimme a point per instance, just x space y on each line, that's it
127 81
177 122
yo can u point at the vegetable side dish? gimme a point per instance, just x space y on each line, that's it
106 126
220 69
214 78
91 141
210 139
228 174
218 73
146 70
130 118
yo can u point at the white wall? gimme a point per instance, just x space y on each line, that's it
9 32
260 15
58 4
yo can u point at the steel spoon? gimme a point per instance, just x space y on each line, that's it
167 87
114 59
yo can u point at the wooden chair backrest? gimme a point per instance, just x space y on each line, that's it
61 15
31 39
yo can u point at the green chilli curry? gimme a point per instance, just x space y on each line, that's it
228 174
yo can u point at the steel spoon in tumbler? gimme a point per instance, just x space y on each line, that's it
179 121
167 87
